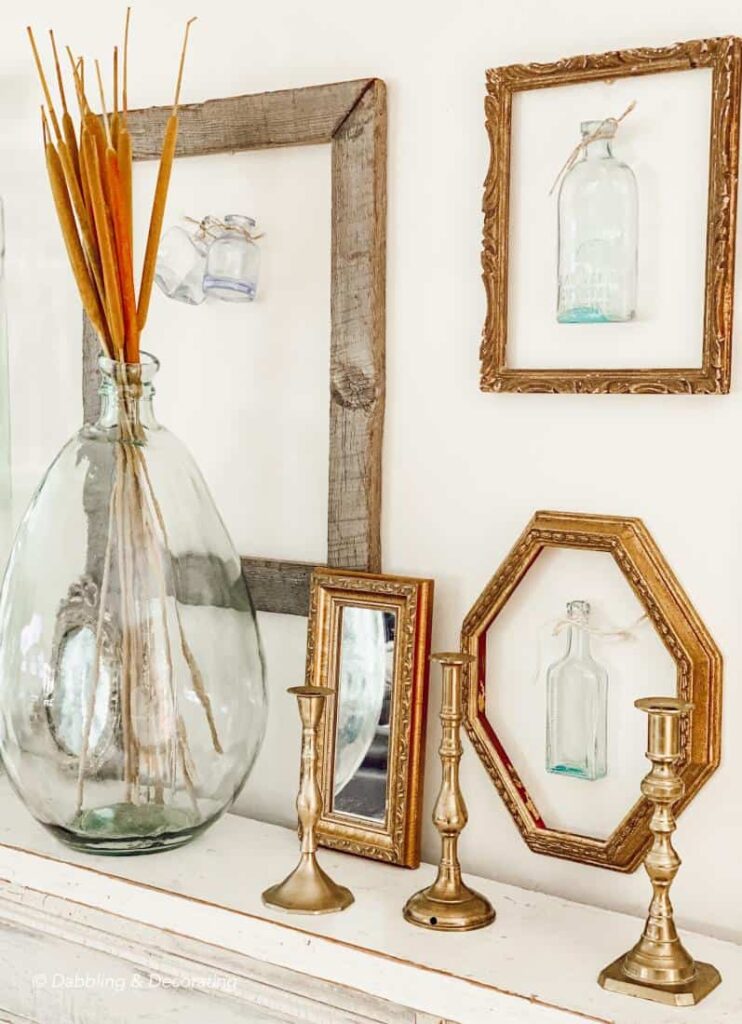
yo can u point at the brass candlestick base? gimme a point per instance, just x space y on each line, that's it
705 980
659 967
309 889
448 905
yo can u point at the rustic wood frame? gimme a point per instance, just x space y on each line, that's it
724 57
396 840
351 118
688 642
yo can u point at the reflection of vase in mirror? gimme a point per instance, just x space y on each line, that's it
577 705
363 712
598 219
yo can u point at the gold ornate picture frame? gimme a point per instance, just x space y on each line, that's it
723 56
688 642
380 812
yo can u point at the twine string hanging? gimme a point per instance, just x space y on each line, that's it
213 227
624 633
605 130
621 634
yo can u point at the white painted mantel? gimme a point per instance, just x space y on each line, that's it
94 939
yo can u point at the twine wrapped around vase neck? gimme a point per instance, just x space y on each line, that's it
606 130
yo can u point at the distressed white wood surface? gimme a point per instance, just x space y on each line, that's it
64 963
538 963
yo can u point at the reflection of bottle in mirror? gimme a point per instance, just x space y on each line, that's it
598 222
233 261
577 705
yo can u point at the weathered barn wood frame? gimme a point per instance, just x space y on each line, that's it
351 118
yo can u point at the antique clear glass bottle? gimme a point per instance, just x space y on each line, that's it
132 696
577 705
233 261
181 265
598 233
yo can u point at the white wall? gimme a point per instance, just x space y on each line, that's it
463 471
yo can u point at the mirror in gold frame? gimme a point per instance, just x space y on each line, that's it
369 640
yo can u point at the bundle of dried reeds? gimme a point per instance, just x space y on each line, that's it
90 172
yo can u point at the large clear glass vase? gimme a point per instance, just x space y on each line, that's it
132 696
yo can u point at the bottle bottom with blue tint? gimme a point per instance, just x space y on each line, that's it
230 289
592 315
577 771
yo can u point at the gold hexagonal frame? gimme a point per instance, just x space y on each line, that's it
699 677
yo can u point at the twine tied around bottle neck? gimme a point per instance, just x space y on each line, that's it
605 130
624 633
213 227
621 634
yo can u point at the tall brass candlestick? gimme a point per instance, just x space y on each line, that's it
448 904
308 889
659 967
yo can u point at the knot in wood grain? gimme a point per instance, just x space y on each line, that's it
353 388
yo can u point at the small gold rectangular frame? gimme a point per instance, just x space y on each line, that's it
396 840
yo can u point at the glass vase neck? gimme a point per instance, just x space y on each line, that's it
126 391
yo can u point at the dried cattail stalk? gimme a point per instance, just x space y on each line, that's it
125 87
124 259
156 219
115 120
68 125
161 190
104 116
106 248
44 86
77 78
66 216
125 156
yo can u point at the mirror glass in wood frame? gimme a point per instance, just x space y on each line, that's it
369 638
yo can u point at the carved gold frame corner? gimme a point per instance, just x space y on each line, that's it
688 642
396 840
724 57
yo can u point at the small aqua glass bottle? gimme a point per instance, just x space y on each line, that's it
577 705
598 233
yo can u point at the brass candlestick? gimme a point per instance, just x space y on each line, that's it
449 905
308 889
659 967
